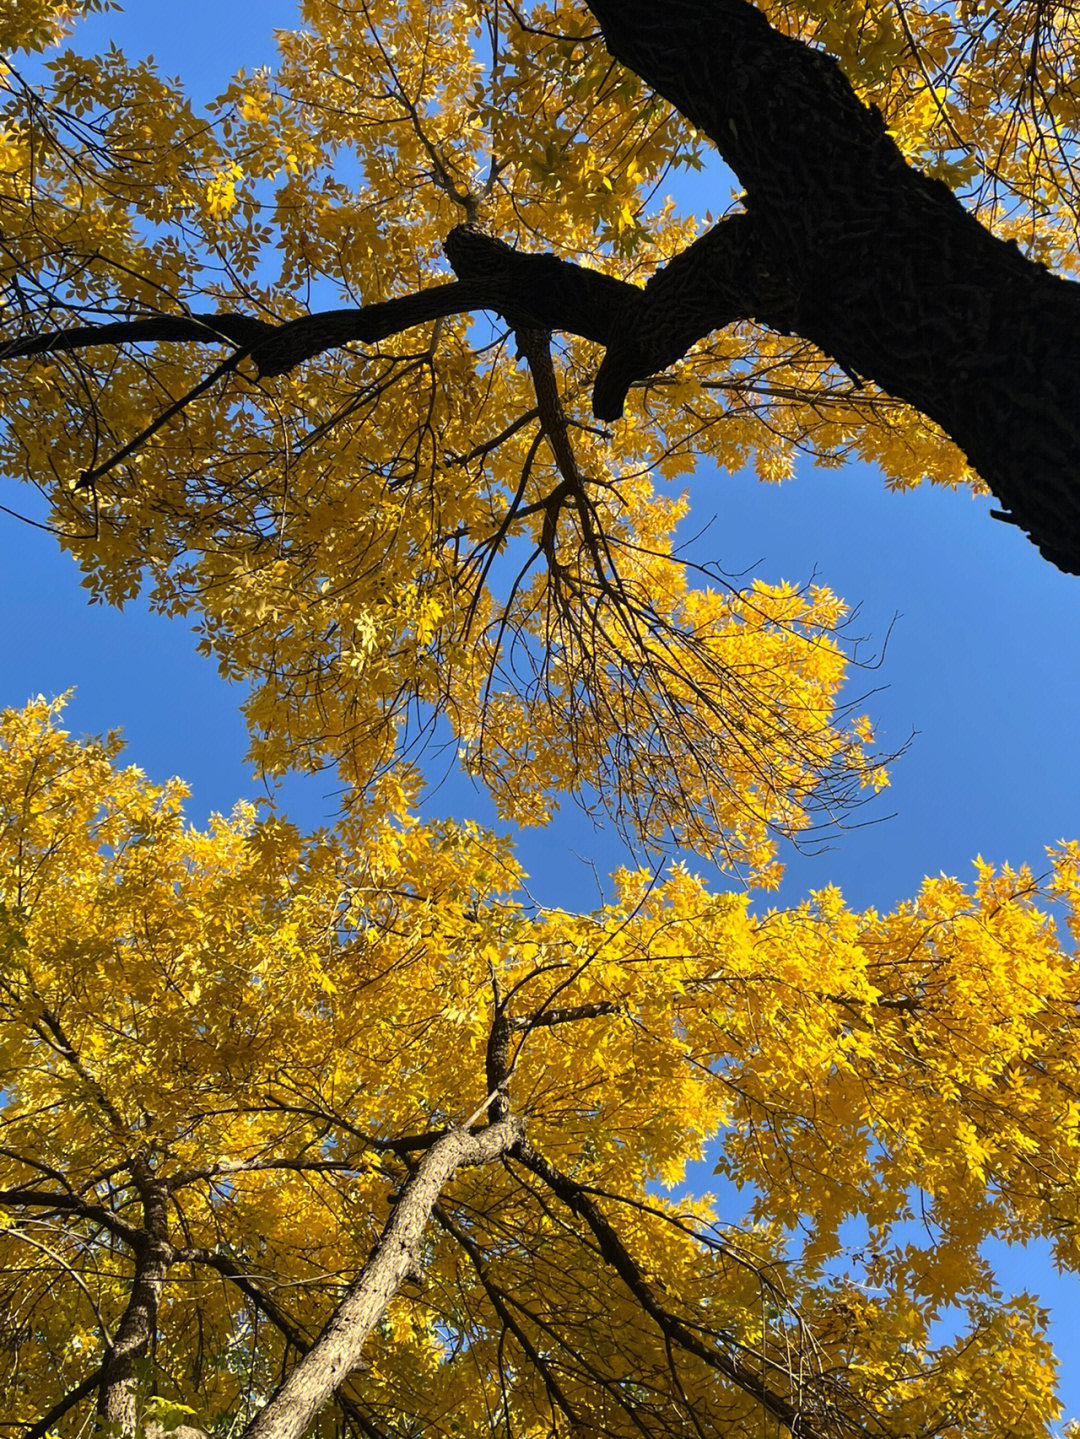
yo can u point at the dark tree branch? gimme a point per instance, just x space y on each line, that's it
247 1286
793 1415
886 271
89 1385
70 1204
534 290
712 283
842 242
498 1300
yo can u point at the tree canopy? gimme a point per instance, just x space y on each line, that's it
228 1054
376 372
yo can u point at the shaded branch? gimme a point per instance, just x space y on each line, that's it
70 1204
788 1413
581 301
709 285
88 1386
885 270
556 1394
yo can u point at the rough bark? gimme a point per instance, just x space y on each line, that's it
394 1259
118 1397
882 267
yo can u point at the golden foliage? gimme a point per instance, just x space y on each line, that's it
262 1029
267 1019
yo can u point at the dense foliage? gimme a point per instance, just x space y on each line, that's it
287 369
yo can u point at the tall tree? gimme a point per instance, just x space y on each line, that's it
340 1131
342 1134
376 512
838 239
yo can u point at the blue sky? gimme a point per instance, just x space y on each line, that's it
980 672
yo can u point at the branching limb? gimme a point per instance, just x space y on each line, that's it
556 1394
712 283
885 270
791 1414
395 1257
69 1204
88 1386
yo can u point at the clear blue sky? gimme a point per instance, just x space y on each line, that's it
980 672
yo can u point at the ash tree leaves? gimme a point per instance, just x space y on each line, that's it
238 1045
392 531
341 1133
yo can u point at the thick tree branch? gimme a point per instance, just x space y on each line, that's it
534 290
118 1399
395 1257
886 271
712 283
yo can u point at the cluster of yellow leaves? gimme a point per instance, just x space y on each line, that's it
33 25
346 536
258 1015
338 533
371 540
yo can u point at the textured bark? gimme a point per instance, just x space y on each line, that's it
712 283
395 1258
882 267
118 1398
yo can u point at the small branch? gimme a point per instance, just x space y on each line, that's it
267 1306
91 477
247 1166
674 1330
545 1018
556 1394
71 1204
277 1316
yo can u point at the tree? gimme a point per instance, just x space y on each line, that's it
340 1126
839 240
334 499
228 1056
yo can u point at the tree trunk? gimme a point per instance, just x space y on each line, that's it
394 1259
876 263
119 1395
